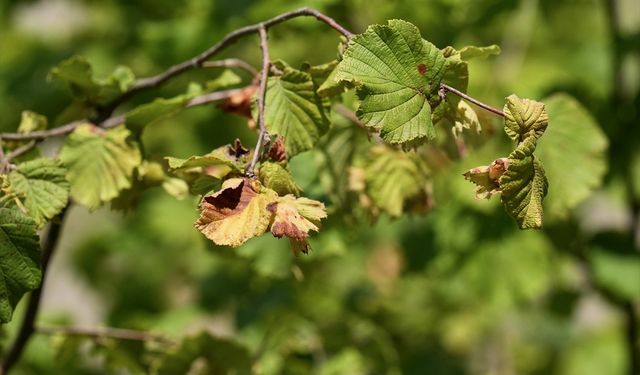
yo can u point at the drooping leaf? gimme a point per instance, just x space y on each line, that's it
19 259
41 188
294 218
100 163
524 185
524 118
214 356
78 74
294 111
235 213
397 73
396 181
573 151
278 178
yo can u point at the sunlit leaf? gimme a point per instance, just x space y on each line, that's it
235 213
397 73
100 163
524 118
524 185
41 188
19 259
294 111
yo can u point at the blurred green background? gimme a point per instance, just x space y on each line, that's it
458 290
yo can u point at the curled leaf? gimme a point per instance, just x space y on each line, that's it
524 185
235 213
524 118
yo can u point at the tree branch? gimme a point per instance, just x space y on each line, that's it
231 63
446 89
28 324
262 93
229 39
105 332
113 121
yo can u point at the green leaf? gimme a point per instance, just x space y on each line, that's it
524 118
396 181
471 52
225 80
294 111
78 74
19 259
235 157
236 213
278 178
41 187
574 152
465 118
31 121
524 185
160 108
618 273
100 163
215 356
396 72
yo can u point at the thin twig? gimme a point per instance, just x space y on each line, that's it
229 39
262 93
20 151
28 324
231 63
115 120
446 88
105 332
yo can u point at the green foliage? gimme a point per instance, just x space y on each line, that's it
295 111
78 74
277 178
19 259
206 354
572 140
409 274
100 163
396 181
398 75
38 186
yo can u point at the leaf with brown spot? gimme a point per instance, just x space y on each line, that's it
294 218
236 213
